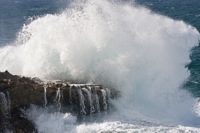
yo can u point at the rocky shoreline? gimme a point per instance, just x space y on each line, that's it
18 93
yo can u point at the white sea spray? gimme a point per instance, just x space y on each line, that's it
118 45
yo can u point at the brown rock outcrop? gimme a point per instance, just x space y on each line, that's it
18 93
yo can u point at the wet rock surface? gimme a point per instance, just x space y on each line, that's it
18 93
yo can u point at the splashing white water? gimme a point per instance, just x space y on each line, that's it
118 45
52 122
66 123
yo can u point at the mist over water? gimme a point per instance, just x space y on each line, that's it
116 44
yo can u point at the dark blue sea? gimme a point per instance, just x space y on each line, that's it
146 49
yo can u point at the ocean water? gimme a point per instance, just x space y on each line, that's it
148 50
189 12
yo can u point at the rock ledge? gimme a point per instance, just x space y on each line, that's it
18 93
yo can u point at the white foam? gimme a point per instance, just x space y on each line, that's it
119 127
66 123
118 45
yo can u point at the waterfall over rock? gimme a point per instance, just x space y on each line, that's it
81 101
17 94
4 104
45 96
104 97
57 99
5 110
97 103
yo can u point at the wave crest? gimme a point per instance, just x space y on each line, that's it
118 45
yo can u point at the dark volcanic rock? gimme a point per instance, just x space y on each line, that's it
18 93
19 121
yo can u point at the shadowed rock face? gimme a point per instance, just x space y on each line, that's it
18 93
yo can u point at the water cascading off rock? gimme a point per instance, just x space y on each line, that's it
18 93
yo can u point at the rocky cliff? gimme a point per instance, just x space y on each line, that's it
18 93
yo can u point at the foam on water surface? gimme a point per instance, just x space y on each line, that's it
66 123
